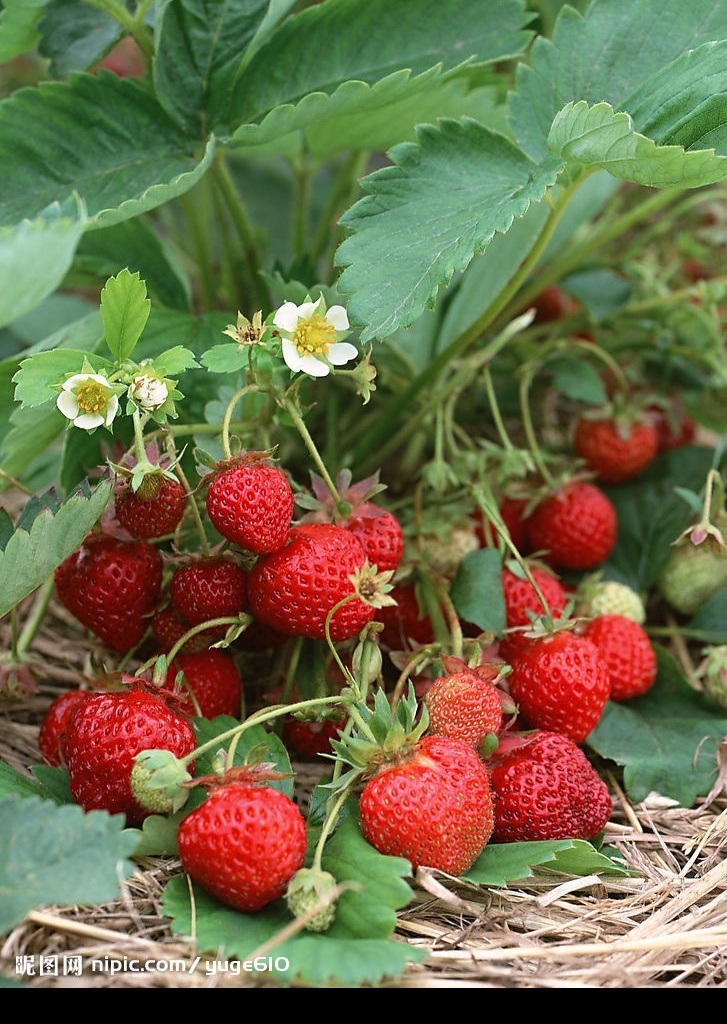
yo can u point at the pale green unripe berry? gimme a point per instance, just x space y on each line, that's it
307 889
612 598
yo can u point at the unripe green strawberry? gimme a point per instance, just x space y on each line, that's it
695 572
609 597
308 889
712 673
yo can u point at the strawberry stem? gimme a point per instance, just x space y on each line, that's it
342 507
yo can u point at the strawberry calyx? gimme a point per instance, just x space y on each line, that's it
353 499
159 781
264 457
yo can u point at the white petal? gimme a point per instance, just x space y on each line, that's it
341 352
88 421
68 405
287 317
309 308
291 355
111 409
338 316
313 367
74 381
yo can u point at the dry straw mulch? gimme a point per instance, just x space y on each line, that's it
664 927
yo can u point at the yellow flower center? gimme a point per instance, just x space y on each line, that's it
92 397
313 336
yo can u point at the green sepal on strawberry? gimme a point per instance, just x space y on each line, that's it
158 781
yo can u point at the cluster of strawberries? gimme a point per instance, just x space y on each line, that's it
489 751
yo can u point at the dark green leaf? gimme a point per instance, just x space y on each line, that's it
477 590
577 379
502 863
74 35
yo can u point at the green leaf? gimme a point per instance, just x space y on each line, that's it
502 863
605 55
666 741
651 515
124 311
18 27
74 35
577 379
55 783
36 255
249 739
597 136
30 557
476 590
225 358
356 949
199 49
345 41
15 783
709 625
101 137
58 855
425 217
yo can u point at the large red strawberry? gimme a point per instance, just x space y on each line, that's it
626 649
432 805
466 703
111 586
616 450
560 683
244 843
209 587
212 678
52 733
543 788
154 509
104 734
522 599
168 628
306 738
575 527
293 590
250 502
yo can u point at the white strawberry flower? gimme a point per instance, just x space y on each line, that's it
312 337
149 392
88 400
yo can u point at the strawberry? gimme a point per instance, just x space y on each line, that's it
432 806
155 509
596 596
208 587
405 626
560 683
465 703
513 511
52 733
380 533
104 734
213 679
616 451
626 649
168 627
695 570
544 788
674 426
245 842
250 502
307 738
521 597
294 589
575 526
111 586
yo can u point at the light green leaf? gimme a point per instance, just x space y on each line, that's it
101 137
18 27
175 360
58 855
425 217
605 55
124 310
31 556
36 255
501 863
598 137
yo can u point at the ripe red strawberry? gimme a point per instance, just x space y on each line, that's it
576 526
512 510
545 788
521 597
674 426
307 738
250 502
560 683
404 624
169 627
104 734
432 805
111 586
626 649
154 510
213 678
52 733
244 843
380 533
616 452
293 590
465 703
209 588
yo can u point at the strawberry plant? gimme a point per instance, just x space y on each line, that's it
362 364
